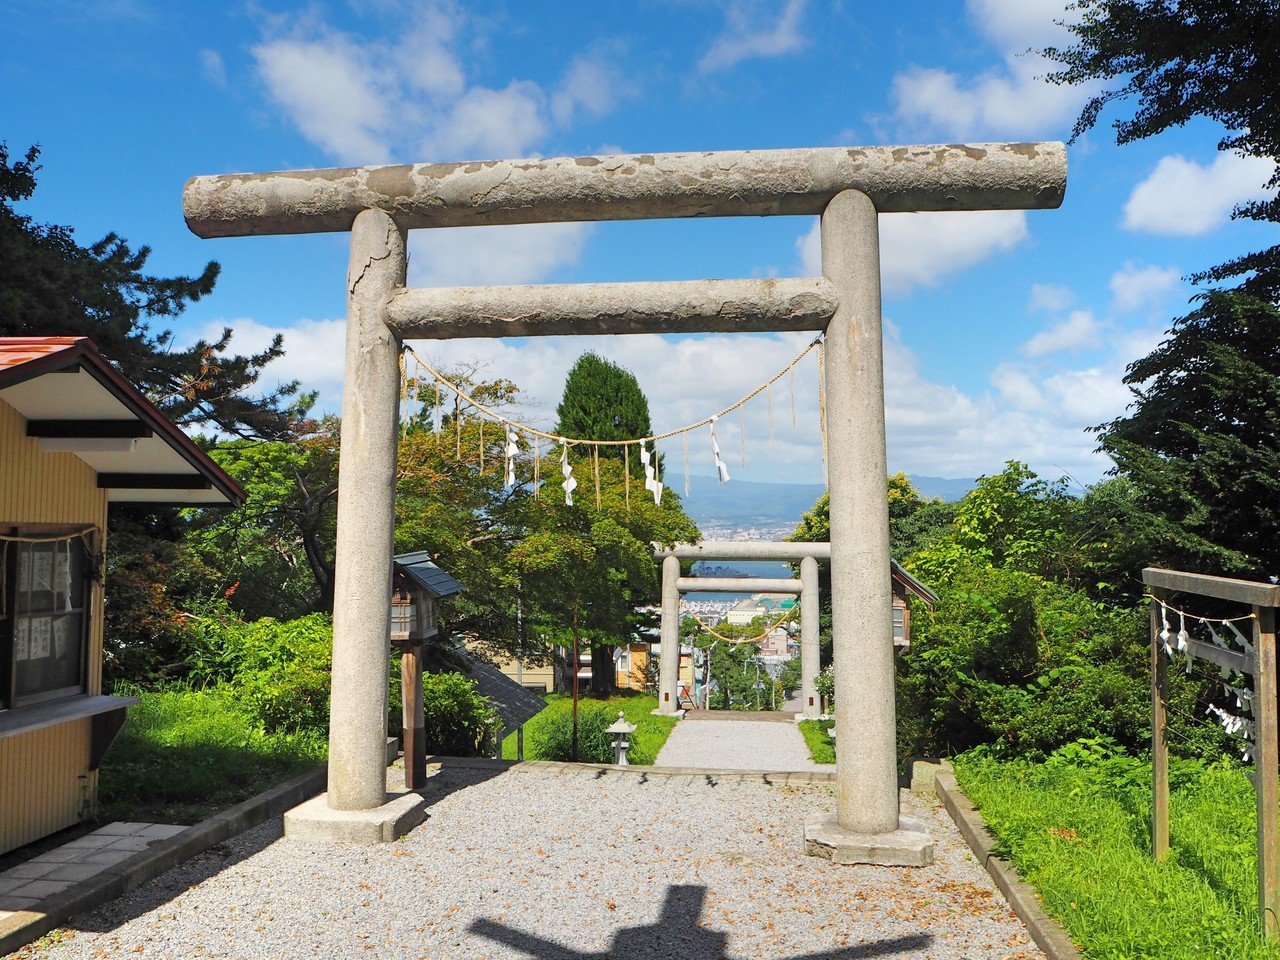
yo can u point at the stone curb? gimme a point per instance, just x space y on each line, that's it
24 926
1049 935
558 766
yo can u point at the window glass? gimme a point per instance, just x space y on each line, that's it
897 622
47 587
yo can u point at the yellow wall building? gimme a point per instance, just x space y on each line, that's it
74 436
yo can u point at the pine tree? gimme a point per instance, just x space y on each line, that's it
50 285
603 401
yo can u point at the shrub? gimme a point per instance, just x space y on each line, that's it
550 733
458 721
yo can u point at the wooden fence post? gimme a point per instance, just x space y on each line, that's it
1266 773
1159 734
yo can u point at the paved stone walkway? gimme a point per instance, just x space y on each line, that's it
566 866
737 745
24 886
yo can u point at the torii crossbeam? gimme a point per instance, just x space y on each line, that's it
847 187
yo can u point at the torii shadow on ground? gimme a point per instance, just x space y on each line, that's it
676 934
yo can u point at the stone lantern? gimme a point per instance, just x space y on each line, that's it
621 731
416 588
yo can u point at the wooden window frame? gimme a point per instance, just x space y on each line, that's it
10 701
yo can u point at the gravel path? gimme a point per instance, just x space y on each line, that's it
565 865
737 745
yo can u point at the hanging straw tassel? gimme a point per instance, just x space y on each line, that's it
626 476
482 444
768 393
569 484
792 378
595 467
537 468
742 434
685 438
457 426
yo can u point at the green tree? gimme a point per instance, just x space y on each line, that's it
1202 439
1180 61
53 286
603 401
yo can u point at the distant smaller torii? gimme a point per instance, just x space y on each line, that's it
673 585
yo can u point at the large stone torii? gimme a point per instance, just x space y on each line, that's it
846 187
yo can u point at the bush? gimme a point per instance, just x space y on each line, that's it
458 721
550 733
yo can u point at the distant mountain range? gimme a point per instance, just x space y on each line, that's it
748 503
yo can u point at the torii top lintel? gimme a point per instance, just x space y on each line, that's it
979 176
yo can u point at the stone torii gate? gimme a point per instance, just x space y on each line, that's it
847 187
673 585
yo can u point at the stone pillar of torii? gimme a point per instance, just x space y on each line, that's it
846 186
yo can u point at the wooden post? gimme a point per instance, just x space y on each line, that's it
1159 735
415 747
1266 775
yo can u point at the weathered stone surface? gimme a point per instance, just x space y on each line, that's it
691 306
316 820
810 651
669 659
747 550
908 846
736 585
980 176
366 518
861 590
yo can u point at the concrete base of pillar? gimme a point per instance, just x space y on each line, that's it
908 846
314 820
678 714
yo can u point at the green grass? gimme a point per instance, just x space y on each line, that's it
184 754
821 747
1081 835
651 732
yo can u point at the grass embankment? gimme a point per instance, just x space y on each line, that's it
185 754
544 735
1080 832
822 749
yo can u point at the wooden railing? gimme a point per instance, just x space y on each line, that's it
1263 599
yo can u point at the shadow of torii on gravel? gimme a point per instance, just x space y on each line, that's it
677 934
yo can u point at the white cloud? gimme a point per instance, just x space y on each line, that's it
1181 198
214 69
486 123
367 101
921 249
1078 331
755 28
332 93
1009 99
1135 288
1050 297
465 256
591 87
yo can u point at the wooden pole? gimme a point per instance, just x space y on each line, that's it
415 752
1266 775
1159 735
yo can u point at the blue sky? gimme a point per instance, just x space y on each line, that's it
1007 333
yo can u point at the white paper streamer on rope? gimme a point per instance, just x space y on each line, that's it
570 484
1164 634
721 468
651 481
512 451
